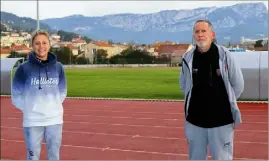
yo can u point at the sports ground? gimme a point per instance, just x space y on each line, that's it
107 129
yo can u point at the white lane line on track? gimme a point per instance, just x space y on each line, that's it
134 112
134 136
122 118
181 119
130 125
93 133
105 148
81 115
138 99
123 150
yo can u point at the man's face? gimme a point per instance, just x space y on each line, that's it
203 34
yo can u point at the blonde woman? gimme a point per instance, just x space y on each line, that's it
38 90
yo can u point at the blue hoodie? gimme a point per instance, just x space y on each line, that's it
39 90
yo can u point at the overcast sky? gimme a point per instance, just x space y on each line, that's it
56 9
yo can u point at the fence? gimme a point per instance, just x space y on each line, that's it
116 65
7 66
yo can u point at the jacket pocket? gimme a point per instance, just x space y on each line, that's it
47 107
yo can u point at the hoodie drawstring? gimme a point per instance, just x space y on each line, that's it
47 73
40 77
39 80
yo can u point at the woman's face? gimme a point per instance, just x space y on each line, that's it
41 46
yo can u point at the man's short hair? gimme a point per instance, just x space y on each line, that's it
206 21
209 24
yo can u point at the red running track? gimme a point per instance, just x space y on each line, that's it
130 130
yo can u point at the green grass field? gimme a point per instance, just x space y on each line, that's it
145 83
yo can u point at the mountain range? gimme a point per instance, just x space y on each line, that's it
230 23
21 23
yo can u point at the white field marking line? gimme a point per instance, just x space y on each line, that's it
123 150
250 105
258 122
138 136
178 127
253 108
178 114
181 119
83 132
149 112
256 110
105 148
139 99
112 111
130 125
164 106
122 117
169 113
135 117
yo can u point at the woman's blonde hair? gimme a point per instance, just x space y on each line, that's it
39 32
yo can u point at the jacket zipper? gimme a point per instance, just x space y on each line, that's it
187 97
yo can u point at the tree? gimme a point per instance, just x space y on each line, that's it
13 54
81 60
86 39
131 56
64 55
117 59
66 36
139 57
258 43
3 28
30 30
127 51
101 56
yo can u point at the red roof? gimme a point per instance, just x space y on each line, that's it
157 44
162 49
78 41
19 47
102 44
5 51
72 47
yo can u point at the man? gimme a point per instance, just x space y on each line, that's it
212 82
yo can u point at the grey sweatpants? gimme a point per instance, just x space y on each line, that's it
219 140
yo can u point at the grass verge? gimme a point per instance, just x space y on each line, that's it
145 83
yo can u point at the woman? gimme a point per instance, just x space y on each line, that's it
38 90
